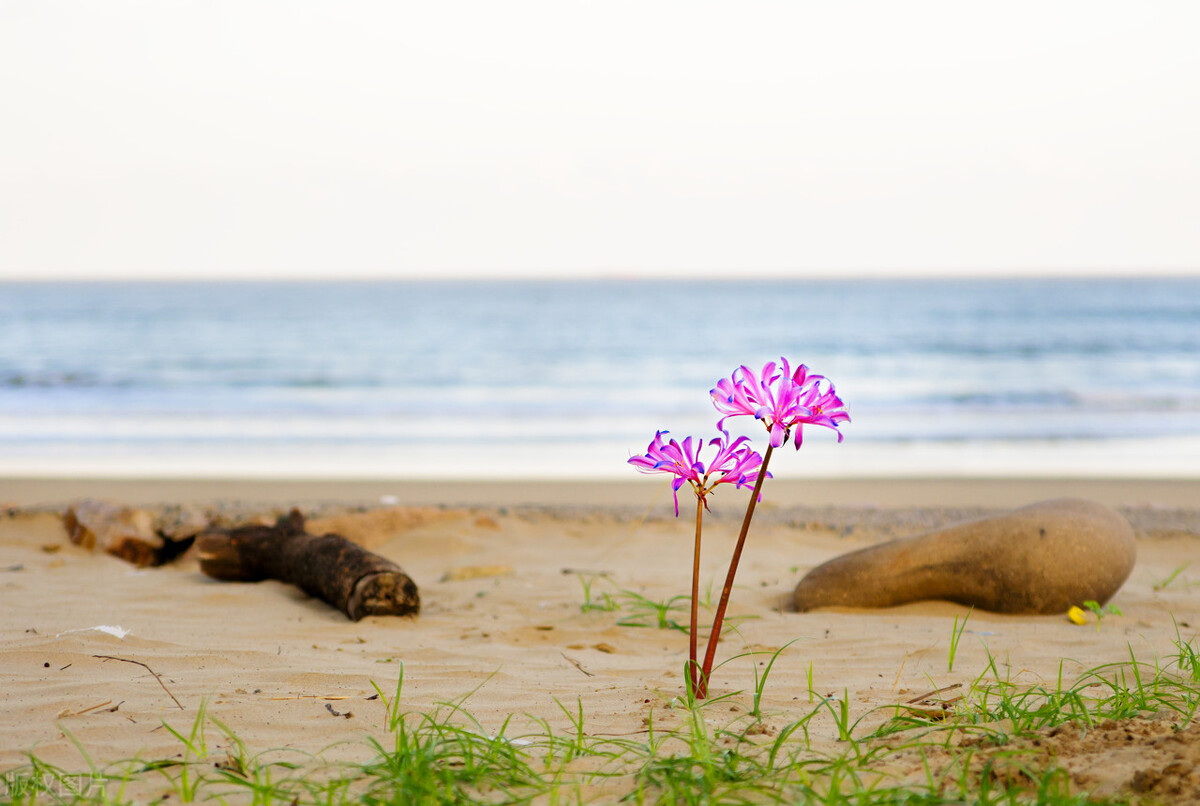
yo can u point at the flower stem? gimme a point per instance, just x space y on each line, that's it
719 619
693 666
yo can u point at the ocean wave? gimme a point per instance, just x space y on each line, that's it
52 380
408 366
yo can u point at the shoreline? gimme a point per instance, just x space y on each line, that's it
880 492
533 594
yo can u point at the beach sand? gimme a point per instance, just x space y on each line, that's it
286 672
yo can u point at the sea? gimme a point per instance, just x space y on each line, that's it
567 380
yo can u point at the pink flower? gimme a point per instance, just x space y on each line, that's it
734 463
782 399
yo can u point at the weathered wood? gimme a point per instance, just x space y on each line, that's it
329 567
139 536
120 531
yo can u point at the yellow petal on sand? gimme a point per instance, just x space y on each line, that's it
1076 615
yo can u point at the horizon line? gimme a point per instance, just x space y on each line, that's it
831 276
568 274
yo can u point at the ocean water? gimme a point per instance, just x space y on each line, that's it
567 380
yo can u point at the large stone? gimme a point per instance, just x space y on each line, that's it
1038 559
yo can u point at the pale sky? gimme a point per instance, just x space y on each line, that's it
385 138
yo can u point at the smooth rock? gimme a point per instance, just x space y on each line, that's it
1038 559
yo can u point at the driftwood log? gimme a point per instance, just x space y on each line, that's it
329 567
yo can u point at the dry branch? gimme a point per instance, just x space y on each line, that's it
329 567
157 676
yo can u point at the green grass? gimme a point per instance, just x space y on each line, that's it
639 610
1100 611
728 749
956 633
1170 578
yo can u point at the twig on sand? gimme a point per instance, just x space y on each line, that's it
66 712
926 696
331 710
585 572
314 697
577 665
934 711
900 671
157 676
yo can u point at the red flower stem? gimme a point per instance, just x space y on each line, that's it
693 667
719 618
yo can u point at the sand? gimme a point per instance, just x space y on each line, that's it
501 570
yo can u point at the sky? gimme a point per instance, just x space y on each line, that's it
164 139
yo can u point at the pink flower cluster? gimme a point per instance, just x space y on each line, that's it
734 463
781 399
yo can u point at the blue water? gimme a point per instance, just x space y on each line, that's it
1096 377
